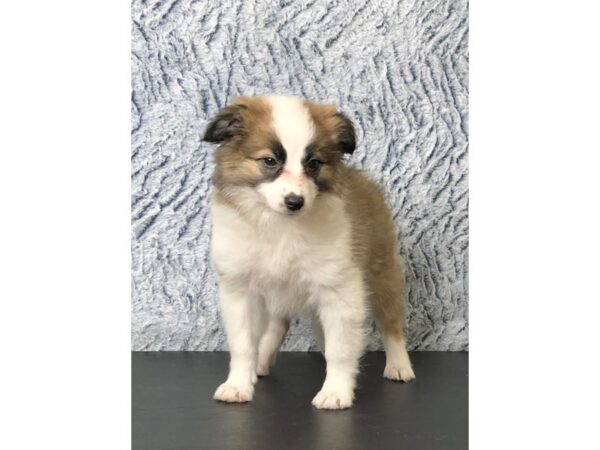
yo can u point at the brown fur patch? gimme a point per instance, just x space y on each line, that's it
238 159
333 126
326 144
374 247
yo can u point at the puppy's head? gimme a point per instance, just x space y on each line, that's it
285 150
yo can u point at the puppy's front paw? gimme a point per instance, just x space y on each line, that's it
330 399
397 373
234 394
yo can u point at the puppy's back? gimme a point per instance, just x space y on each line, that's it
373 234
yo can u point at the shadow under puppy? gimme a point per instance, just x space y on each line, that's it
295 229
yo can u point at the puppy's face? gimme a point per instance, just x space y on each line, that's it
286 150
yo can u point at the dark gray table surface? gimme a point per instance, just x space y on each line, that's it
172 405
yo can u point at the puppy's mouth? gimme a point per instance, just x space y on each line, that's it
289 212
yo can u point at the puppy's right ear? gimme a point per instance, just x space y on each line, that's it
227 124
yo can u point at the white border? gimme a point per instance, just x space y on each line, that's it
534 225
65 217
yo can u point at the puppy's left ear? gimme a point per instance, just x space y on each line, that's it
228 123
345 134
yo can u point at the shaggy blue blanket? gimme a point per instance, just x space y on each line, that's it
398 68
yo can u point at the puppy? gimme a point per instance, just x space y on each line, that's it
294 230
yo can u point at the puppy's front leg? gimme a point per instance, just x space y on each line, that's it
342 314
242 316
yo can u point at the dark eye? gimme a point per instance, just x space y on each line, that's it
269 162
313 164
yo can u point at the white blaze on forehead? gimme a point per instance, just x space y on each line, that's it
294 128
293 125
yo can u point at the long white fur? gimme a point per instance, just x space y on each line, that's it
273 265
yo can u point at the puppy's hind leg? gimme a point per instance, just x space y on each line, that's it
270 343
397 366
388 298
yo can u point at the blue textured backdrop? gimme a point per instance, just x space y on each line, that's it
397 68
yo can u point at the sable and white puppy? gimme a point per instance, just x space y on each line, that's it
295 229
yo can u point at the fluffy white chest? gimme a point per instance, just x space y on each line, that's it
286 258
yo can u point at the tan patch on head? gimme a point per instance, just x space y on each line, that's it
323 115
256 114
334 126
263 153
326 144
238 160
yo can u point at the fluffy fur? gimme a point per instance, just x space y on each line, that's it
334 255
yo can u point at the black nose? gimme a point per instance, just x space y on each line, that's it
294 202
